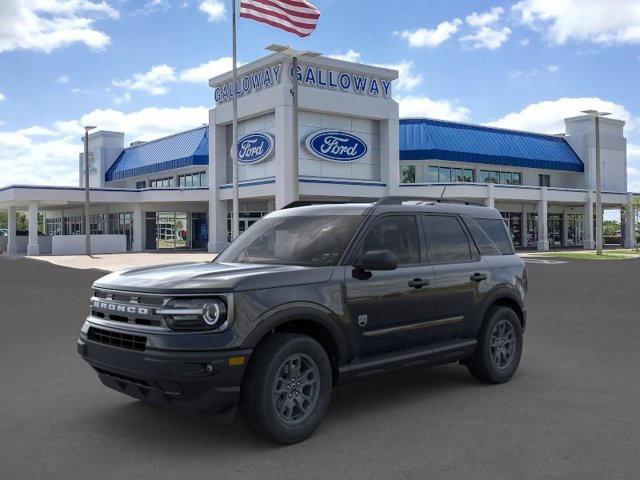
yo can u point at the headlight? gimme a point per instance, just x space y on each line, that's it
194 313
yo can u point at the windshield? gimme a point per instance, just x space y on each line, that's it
314 240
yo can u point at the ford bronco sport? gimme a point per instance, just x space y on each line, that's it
309 297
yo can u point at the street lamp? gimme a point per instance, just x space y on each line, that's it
596 114
87 217
294 54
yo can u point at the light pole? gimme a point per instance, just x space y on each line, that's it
87 217
596 114
295 145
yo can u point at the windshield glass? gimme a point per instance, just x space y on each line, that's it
314 240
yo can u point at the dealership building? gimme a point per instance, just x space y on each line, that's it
175 193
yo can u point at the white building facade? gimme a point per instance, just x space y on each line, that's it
175 193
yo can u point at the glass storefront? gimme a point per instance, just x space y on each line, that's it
122 224
575 230
176 230
532 230
513 221
245 221
554 229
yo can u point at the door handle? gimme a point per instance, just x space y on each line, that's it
478 277
418 283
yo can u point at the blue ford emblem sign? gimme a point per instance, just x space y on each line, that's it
336 146
255 147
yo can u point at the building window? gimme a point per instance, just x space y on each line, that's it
504 178
141 184
190 180
98 223
408 174
54 226
446 174
544 180
162 182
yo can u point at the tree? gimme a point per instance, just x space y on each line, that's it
3 220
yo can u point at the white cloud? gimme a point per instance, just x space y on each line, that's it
526 75
2 96
154 81
45 25
525 42
595 21
214 9
407 78
424 37
349 56
203 72
487 37
486 18
548 116
552 68
48 155
120 99
63 79
420 106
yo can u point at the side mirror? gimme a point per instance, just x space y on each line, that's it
378 260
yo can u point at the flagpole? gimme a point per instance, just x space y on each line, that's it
235 225
295 194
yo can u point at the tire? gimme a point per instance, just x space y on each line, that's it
497 358
274 401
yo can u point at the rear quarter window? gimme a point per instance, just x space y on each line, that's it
496 230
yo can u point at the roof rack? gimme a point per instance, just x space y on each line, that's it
307 203
399 200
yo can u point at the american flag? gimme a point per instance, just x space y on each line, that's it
294 16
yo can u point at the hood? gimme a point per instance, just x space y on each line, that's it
204 277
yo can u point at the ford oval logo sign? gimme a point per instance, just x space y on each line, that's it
255 147
336 146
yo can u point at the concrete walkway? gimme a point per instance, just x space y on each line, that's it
121 261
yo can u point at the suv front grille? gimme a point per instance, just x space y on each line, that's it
136 309
117 339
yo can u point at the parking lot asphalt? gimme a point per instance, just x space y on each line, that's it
572 410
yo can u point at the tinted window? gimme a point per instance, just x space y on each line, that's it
447 240
397 233
483 242
497 232
316 240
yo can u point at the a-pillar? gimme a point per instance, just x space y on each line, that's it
12 244
543 237
490 200
589 241
138 220
32 247
629 223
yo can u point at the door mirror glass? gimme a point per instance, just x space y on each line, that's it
378 260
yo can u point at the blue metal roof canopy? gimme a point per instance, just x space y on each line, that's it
183 149
427 139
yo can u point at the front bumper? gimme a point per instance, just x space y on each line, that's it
199 381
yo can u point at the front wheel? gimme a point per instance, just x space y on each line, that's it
287 388
499 347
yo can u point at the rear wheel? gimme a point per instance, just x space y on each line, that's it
499 346
287 388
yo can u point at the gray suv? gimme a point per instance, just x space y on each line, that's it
309 297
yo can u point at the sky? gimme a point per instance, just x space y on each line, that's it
142 66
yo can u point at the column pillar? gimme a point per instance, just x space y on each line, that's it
589 241
629 223
390 152
32 247
12 245
565 227
543 237
490 200
284 156
218 209
138 219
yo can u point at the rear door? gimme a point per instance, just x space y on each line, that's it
388 309
461 276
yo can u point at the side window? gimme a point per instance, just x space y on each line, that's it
448 242
397 233
483 242
497 231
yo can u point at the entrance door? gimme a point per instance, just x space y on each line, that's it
388 309
199 231
514 224
554 229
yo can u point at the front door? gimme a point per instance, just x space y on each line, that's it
390 309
